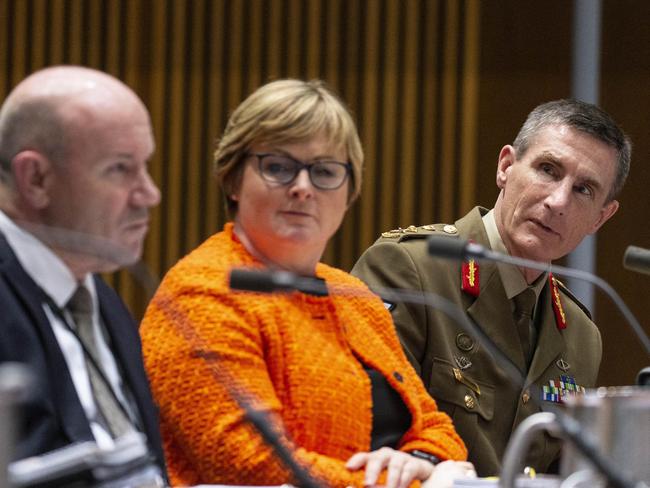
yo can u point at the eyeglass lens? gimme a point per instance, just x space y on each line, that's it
326 175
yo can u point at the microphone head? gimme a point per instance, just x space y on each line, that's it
251 280
262 280
643 378
447 247
637 259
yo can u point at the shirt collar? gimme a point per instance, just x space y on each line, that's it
46 268
513 280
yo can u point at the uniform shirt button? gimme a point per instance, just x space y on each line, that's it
525 397
469 402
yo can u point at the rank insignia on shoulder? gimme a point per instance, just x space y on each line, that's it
559 389
410 232
392 233
411 229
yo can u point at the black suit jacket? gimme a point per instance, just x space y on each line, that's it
54 417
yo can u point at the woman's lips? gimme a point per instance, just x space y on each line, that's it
296 213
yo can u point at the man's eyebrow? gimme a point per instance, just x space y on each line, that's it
548 156
593 183
551 158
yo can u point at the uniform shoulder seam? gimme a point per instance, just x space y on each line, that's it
573 298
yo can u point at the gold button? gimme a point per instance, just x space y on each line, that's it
469 402
525 397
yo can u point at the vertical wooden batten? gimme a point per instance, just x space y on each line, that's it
407 69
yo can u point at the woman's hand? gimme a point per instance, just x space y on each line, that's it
446 472
401 467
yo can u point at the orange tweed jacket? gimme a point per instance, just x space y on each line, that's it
293 354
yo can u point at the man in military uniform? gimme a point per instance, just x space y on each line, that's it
558 182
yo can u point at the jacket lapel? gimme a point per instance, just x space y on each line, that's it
72 417
126 348
125 344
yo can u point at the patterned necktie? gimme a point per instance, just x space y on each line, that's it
523 315
111 415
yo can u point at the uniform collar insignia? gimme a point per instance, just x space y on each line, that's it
560 317
470 274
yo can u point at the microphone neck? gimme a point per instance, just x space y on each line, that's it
479 252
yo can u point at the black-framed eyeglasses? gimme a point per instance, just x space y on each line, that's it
281 169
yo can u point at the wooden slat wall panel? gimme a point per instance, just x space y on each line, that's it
408 70
469 107
408 101
449 76
369 112
217 111
427 137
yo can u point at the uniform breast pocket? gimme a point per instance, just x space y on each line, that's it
458 393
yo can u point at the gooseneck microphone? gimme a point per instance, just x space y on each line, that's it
267 281
257 280
637 259
459 249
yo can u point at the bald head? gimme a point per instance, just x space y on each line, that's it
48 110
74 147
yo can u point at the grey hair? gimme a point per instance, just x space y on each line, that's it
584 117
34 124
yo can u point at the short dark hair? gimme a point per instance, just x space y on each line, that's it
587 118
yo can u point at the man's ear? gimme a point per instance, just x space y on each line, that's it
507 158
30 173
608 210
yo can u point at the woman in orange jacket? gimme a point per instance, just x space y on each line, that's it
327 365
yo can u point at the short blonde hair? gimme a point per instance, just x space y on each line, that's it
285 111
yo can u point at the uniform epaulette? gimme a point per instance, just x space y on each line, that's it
412 232
563 288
